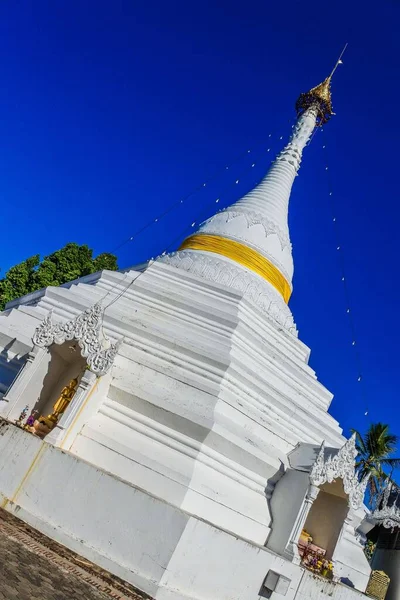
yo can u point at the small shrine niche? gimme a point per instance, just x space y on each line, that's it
65 369
336 494
314 507
60 370
324 522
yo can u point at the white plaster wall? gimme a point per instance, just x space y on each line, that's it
96 394
35 395
210 564
140 538
18 325
101 517
170 464
16 455
285 507
316 588
350 561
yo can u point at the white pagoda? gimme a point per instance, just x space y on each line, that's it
179 437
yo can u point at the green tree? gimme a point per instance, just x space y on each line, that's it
374 454
105 261
17 280
64 265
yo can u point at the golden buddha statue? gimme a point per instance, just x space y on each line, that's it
43 425
67 393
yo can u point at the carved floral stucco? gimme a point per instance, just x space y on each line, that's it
86 330
387 514
341 465
251 286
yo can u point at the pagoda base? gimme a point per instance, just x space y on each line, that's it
162 550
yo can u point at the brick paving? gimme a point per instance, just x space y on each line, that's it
33 567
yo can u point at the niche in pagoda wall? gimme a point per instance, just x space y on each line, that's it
64 363
73 347
326 517
314 495
61 351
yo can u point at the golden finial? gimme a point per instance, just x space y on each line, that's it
320 97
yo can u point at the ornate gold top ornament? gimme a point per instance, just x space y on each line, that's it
319 97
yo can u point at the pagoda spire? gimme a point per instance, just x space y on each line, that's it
247 245
320 97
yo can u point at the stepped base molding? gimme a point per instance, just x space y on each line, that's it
165 552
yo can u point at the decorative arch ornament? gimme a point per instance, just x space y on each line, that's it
341 465
387 512
86 330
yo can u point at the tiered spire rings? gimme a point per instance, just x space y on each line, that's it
246 246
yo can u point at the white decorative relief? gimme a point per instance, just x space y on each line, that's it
250 285
388 516
252 218
341 465
86 330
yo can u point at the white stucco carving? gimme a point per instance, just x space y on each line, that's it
342 466
388 517
253 287
385 514
86 330
252 218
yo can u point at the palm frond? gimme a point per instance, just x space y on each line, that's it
360 445
374 450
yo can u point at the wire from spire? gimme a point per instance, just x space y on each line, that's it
343 275
339 61
319 97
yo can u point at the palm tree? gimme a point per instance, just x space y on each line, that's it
374 450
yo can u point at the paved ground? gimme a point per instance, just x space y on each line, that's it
34 567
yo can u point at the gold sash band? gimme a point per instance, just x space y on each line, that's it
247 257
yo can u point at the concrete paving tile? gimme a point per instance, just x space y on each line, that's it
33 567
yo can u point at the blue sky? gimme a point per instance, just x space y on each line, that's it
112 111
